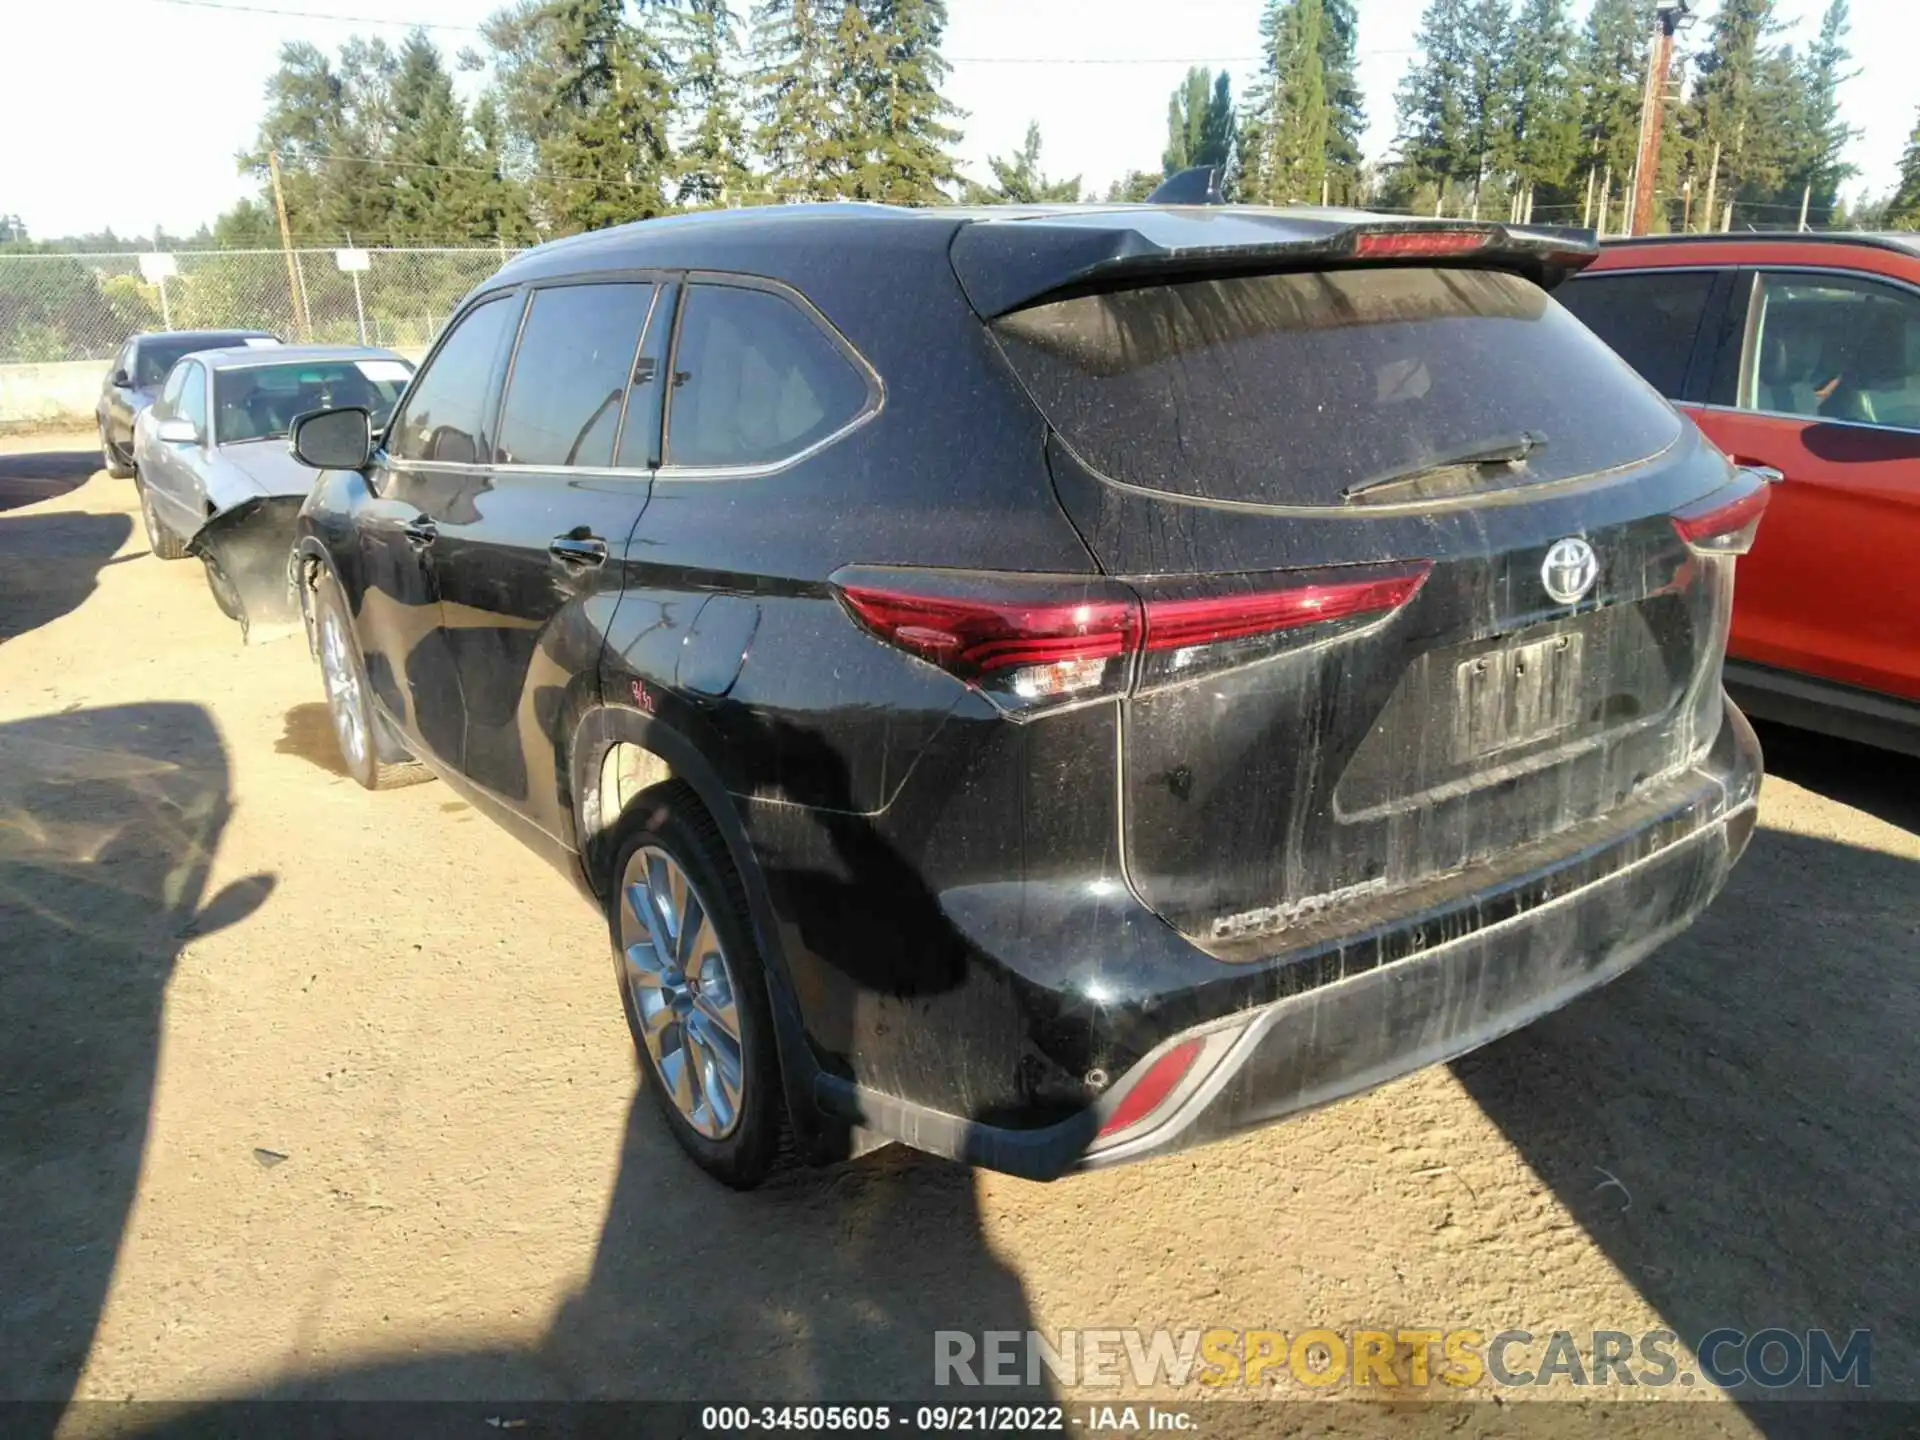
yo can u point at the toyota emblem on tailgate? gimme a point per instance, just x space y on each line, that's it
1569 570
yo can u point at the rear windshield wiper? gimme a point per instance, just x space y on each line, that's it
1505 450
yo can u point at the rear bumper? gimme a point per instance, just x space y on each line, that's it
1529 946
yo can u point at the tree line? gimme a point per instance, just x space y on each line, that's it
594 112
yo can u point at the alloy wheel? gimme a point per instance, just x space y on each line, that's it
682 993
342 679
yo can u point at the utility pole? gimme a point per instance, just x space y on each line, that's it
1671 15
1713 179
295 292
1806 199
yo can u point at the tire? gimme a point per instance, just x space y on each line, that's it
350 698
164 544
110 458
691 1022
221 588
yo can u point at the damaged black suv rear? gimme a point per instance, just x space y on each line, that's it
1052 686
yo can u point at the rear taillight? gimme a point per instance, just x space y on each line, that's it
1028 641
1408 244
1723 524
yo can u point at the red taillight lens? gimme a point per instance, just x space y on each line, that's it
1402 244
1150 1091
1722 526
1032 640
1174 624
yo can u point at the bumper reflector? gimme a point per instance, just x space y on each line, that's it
1150 1091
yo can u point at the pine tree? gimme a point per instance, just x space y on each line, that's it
903 140
1488 33
1194 133
712 166
1903 211
436 195
328 122
1216 131
1019 180
1543 117
800 128
1725 118
587 91
1436 123
1820 163
1610 76
1339 65
1288 136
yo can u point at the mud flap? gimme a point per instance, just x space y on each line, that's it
245 550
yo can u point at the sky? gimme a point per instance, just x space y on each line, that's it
128 113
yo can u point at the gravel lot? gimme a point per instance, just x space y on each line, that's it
306 1091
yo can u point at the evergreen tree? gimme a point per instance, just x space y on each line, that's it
1543 116
1726 117
712 166
1610 76
437 197
1820 163
1487 35
327 123
1340 76
795 77
1903 211
902 140
1288 136
1437 128
585 90
1019 180
1199 122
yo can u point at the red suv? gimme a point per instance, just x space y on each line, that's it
1799 356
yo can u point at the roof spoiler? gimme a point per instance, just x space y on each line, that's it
1197 185
1010 264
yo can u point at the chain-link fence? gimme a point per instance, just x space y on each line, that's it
82 307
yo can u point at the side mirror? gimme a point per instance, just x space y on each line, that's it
333 439
177 431
120 380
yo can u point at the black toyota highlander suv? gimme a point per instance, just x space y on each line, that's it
1055 685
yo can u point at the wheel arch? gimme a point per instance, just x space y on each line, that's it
622 748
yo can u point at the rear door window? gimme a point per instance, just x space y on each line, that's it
571 373
755 380
447 406
1651 319
1291 389
1835 347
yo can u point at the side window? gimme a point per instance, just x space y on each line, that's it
570 374
1833 347
448 401
191 403
1650 319
169 400
124 360
755 380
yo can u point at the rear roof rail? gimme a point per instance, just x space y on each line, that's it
1007 264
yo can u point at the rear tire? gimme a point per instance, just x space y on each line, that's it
164 544
696 1004
110 458
350 697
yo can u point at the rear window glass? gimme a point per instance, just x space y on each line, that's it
1288 389
155 358
260 402
1650 320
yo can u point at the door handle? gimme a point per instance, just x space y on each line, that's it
421 531
1766 474
585 550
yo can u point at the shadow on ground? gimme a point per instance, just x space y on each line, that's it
50 563
36 475
108 822
1753 1087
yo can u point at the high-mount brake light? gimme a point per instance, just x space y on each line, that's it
1028 641
1410 244
1719 526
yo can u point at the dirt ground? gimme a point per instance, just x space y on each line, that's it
311 1092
